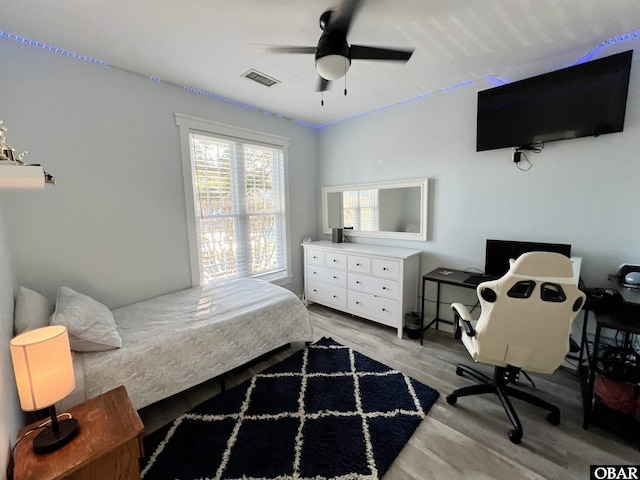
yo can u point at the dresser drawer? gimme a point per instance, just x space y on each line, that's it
330 295
335 260
383 310
359 264
386 268
328 275
373 285
315 257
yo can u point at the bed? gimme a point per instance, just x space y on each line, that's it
176 341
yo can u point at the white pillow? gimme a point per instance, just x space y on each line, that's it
90 324
32 310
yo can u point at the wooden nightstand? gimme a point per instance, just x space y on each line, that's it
108 445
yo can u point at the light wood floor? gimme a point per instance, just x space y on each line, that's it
468 440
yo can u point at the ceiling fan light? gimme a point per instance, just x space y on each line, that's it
332 67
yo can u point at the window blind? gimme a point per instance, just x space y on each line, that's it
239 199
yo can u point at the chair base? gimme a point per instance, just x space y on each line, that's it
499 386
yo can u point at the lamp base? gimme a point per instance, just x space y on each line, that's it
49 440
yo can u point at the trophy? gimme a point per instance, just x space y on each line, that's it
8 155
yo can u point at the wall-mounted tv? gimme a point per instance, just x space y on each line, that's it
578 101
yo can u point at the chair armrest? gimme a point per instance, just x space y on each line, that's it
462 313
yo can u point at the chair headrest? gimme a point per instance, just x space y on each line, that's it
542 264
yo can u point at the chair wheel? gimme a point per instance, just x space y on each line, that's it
452 399
553 418
515 436
459 371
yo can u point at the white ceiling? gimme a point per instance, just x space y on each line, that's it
205 44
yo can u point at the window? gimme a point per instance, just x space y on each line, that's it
235 183
360 209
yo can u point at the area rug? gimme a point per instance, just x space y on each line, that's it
325 412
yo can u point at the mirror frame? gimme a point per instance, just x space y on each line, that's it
423 183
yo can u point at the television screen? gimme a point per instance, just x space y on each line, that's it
499 252
583 100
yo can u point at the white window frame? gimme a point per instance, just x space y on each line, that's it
187 124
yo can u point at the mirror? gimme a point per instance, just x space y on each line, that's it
385 210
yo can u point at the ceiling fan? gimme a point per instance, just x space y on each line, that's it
333 54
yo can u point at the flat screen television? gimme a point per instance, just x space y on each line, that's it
578 101
499 252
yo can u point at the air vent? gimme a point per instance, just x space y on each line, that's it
260 78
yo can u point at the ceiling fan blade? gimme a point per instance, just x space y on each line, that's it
323 84
281 49
360 52
343 16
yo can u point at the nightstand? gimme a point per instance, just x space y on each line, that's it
108 445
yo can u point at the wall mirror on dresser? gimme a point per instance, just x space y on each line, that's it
395 209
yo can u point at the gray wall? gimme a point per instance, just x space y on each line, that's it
10 411
581 191
114 227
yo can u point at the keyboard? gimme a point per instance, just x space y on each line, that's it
478 279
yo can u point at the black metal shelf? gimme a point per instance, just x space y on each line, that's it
593 346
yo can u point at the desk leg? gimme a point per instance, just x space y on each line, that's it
593 364
422 315
438 306
583 343
435 320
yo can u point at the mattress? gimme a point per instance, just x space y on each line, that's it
179 340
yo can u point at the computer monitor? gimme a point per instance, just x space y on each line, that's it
499 252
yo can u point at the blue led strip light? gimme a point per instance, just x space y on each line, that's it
621 38
222 99
609 41
496 81
51 48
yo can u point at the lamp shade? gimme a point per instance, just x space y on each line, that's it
43 366
332 67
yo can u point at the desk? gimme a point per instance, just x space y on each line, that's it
629 295
440 275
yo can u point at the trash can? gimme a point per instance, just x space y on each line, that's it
413 324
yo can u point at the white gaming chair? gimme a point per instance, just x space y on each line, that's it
525 324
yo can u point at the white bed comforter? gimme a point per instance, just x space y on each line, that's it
176 341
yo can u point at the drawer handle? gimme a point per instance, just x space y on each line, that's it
315 273
334 260
385 268
315 290
357 282
384 288
334 277
315 256
335 296
358 265
384 309
357 303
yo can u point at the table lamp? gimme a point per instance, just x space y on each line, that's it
44 375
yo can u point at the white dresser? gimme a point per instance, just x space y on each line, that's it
370 281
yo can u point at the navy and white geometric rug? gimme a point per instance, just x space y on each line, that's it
325 412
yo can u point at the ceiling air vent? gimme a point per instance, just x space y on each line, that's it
260 78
